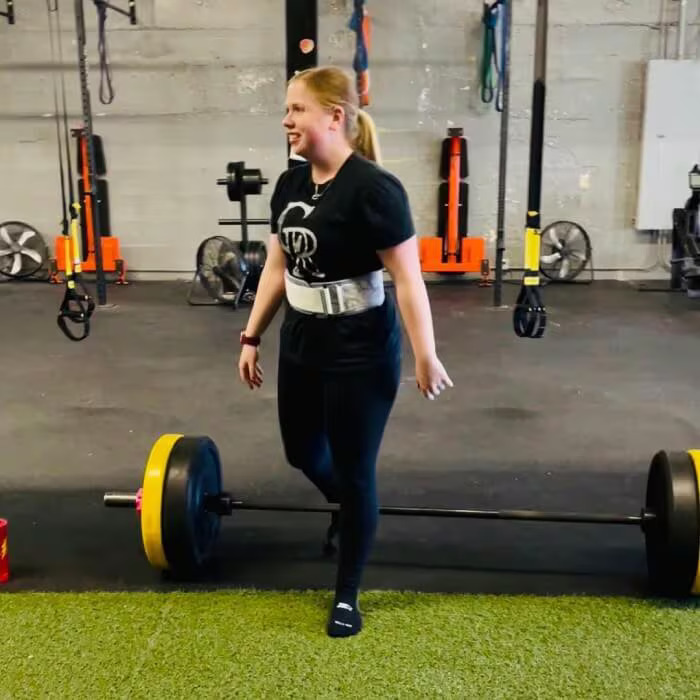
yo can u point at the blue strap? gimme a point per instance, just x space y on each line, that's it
490 54
360 62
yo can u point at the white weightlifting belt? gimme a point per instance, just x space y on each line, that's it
344 297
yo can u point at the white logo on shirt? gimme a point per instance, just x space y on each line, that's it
300 243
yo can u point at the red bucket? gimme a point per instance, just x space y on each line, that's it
4 553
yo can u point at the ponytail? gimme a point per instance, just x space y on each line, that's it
334 87
367 141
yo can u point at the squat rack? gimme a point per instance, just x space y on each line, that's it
102 7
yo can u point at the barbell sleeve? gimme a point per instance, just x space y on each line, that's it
120 499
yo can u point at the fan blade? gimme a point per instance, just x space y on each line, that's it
577 255
26 235
17 265
553 238
32 254
549 259
5 251
5 235
565 267
573 234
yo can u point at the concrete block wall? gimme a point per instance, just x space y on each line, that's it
200 83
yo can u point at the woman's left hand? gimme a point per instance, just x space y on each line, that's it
431 377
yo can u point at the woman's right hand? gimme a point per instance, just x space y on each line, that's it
249 369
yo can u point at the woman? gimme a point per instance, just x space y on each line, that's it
338 220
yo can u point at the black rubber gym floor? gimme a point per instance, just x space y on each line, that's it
569 422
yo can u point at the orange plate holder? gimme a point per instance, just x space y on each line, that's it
111 254
452 253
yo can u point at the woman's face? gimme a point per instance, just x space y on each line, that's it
310 126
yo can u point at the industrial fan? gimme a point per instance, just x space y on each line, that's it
565 251
23 250
227 270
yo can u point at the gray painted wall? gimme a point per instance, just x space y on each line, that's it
201 82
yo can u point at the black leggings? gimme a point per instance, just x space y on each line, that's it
332 425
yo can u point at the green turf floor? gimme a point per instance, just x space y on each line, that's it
273 645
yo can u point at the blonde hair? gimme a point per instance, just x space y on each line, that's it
333 87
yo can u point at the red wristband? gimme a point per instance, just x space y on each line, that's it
250 340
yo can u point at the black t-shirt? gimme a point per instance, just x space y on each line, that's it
336 236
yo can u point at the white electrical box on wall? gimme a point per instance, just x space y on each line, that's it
670 140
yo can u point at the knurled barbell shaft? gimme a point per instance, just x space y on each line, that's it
224 504
468 513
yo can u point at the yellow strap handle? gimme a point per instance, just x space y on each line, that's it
71 250
532 255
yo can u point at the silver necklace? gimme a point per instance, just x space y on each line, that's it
317 195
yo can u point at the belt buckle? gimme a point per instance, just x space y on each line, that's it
326 302
336 299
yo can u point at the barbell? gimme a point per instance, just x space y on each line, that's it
241 181
181 503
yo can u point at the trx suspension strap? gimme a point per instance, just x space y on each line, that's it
360 24
529 315
9 12
52 9
76 307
